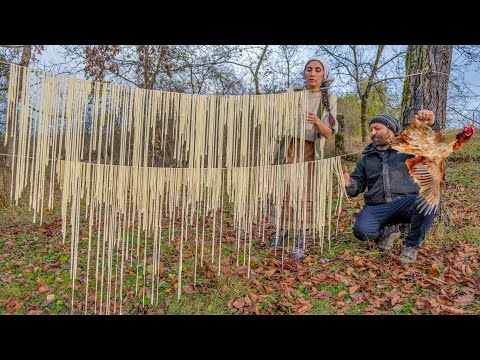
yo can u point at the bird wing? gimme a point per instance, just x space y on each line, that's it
428 173
417 139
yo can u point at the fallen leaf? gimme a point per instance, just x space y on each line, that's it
18 307
301 300
188 289
358 262
241 270
230 239
270 272
50 297
34 312
416 311
395 299
451 278
239 303
268 289
465 300
408 286
469 270
451 310
43 288
353 289
304 309
435 310
341 294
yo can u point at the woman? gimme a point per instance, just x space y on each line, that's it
320 124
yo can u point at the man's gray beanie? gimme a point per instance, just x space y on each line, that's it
388 120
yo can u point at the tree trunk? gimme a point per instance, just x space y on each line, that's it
426 87
26 55
426 82
363 119
257 69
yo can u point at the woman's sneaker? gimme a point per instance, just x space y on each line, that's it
298 250
282 236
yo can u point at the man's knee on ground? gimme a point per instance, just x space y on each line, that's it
362 232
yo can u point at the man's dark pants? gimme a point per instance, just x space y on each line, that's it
371 219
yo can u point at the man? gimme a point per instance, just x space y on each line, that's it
392 194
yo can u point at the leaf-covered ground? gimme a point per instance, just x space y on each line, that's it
345 277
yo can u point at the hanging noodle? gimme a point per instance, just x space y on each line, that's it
102 142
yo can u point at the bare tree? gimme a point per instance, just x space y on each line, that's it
22 55
25 57
205 69
250 58
367 66
283 68
463 94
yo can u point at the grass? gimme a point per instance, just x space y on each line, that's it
347 277
322 307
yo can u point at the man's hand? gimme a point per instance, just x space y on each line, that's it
426 116
346 176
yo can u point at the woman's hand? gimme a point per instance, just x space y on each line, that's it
312 119
323 129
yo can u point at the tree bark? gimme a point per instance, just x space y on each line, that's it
426 83
363 119
426 87
26 55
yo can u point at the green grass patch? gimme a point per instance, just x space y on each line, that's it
322 307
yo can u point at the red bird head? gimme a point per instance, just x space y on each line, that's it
469 131
464 137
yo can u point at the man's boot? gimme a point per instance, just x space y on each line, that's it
385 242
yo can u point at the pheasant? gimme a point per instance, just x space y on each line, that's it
430 148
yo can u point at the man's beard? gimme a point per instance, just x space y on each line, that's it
380 140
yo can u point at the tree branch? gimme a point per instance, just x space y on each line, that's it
374 69
255 78
391 59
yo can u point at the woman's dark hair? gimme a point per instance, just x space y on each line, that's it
326 103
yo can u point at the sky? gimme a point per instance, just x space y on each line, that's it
472 77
